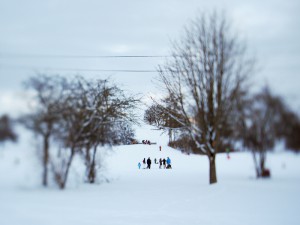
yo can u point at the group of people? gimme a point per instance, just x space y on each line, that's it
165 163
146 142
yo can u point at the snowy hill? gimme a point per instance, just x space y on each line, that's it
157 196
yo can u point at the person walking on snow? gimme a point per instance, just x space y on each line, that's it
169 163
227 151
159 148
160 163
149 163
139 165
144 163
164 163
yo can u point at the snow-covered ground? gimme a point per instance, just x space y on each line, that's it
132 196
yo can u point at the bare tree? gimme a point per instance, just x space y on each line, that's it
89 116
48 92
123 133
206 77
160 117
266 120
108 109
76 116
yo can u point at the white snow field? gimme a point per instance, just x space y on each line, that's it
162 197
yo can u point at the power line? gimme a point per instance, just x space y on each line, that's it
8 55
18 67
104 70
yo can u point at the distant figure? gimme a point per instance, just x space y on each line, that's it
160 163
139 165
169 163
159 148
227 151
144 162
164 163
149 163
155 161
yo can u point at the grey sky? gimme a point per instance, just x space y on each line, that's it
136 27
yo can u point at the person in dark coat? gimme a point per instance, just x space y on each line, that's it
164 163
149 163
160 163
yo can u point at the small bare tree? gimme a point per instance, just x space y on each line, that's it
88 120
205 77
48 92
107 109
164 117
266 120
76 116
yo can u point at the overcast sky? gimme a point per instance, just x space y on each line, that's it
136 27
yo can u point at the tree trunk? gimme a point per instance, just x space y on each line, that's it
262 162
64 181
45 160
258 173
263 172
87 155
212 169
92 169
170 135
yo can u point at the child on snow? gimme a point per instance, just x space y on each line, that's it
169 163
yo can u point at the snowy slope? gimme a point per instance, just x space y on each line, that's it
178 196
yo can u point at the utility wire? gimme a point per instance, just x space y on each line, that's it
18 67
100 70
6 55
